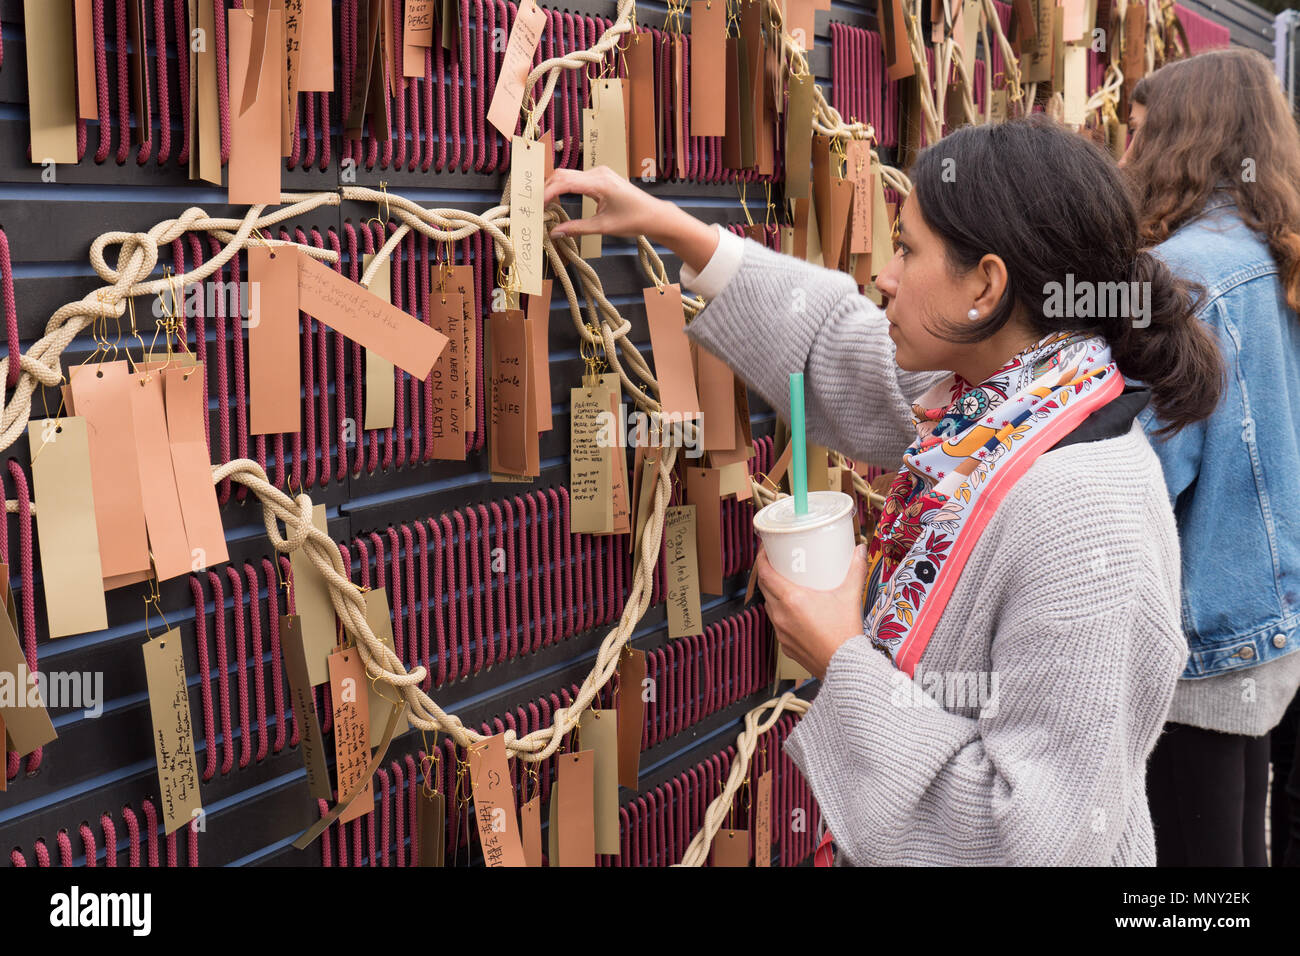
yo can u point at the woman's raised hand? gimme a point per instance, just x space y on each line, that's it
622 208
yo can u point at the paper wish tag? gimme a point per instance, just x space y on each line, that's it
71 571
349 694
598 733
169 705
494 803
591 482
682 576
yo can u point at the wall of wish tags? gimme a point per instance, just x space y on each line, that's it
184 718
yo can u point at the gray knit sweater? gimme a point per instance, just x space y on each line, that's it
1066 616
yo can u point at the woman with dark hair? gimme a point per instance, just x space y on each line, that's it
1027 546
1214 165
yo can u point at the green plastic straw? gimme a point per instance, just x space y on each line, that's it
798 451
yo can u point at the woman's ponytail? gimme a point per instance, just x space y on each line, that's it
1173 351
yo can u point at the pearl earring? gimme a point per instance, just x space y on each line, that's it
973 314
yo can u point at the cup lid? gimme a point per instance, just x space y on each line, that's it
824 507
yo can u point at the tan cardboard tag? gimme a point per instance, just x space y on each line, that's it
591 499
71 572
431 818
173 734
184 399
381 380
382 696
683 581
51 80
598 733
27 724
763 821
503 113
311 595
527 180
304 708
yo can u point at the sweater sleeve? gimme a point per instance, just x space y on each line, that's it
777 315
1085 654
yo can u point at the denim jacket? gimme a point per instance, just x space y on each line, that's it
1234 478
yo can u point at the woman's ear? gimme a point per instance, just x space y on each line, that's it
990 278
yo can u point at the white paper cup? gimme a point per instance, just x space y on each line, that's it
815 549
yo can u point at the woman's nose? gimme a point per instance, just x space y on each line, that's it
887 280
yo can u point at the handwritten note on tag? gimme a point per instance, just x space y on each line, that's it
494 803
683 581
509 93
590 465
348 690
304 707
527 159
366 319
173 735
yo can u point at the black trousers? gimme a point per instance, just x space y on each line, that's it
1285 745
1208 792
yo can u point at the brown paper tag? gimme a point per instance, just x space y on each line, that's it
798 138
530 828
703 489
619 506
382 696
367 319
610 96
598 734
173 735
642 158
51 80
71 571
731 848
717 400
708 68
591 500
204 61
274 373
576 815
503 113
671 350
349 694
311 596
527 179
539 321
164 522
290 70
735 84
316 39
87 100
183 398
419 23
553 830
858 170
27 725
494 803
509 368
763 821
631 717
679 117
381 381
431 818
141 101
304 708
101 394
447 426
682 577
461 280
255 162
898 52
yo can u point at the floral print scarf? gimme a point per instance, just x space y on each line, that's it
959 468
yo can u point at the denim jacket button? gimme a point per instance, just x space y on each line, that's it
1279 640
1246 653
